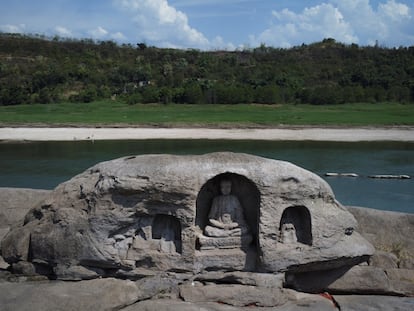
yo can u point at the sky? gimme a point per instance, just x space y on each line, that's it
215 24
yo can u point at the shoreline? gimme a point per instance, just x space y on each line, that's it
294 133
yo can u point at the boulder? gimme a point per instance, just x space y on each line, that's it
24 268
402 280
346 280
384 260
242 278
14 205
380 228
234 295
151 212
355 280
99 294
300 303
374 303
167 305
159 286
16 202
76 273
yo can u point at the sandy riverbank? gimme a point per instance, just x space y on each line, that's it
403 134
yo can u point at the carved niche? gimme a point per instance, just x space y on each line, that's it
227 213
295 226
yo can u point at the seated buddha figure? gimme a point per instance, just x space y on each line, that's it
226 226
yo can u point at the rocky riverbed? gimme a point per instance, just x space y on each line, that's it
384 281
381 285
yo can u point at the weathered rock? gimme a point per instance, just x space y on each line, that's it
99 294
16 202
24 268
148 212
235 295
374 303
407 262
402 280
168 305
305 304
3 232
15 247
351 280
3 265
384 260
76 273
243 278
389 232
362 280
159 286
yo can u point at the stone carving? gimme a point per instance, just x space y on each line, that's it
295 226
161 234
288 234
226 226
167 230
134 216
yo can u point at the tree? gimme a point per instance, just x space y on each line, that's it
193 94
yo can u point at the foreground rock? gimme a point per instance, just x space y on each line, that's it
391 233
389 270
137 216
374 303
107 294
14 205
113 294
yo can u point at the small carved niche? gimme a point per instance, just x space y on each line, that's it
167 229
296 226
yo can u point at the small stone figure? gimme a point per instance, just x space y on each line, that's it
288 234
226 227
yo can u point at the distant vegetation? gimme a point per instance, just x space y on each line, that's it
39 70
108 112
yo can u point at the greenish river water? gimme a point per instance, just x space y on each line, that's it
44 165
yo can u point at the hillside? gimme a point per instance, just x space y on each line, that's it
35 69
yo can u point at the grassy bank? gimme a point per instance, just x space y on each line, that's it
110 112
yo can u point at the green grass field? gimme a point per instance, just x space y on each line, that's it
118 113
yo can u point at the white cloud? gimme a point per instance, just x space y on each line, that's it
159 22
395 11
101 33
312 24
390 22
21 28
218 43
62 31
118 36
98 33
348 21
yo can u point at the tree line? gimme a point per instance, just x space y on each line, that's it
35 69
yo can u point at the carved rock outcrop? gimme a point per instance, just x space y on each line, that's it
133 216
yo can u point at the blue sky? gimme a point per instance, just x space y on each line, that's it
215 24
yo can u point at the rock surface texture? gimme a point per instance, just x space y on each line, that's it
391 233
14 205
134 216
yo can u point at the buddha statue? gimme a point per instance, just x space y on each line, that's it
226 226
288 234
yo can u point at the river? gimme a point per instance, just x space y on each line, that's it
43 165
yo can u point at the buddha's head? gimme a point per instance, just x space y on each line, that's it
225 186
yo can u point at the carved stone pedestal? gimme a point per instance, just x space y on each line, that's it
207 243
